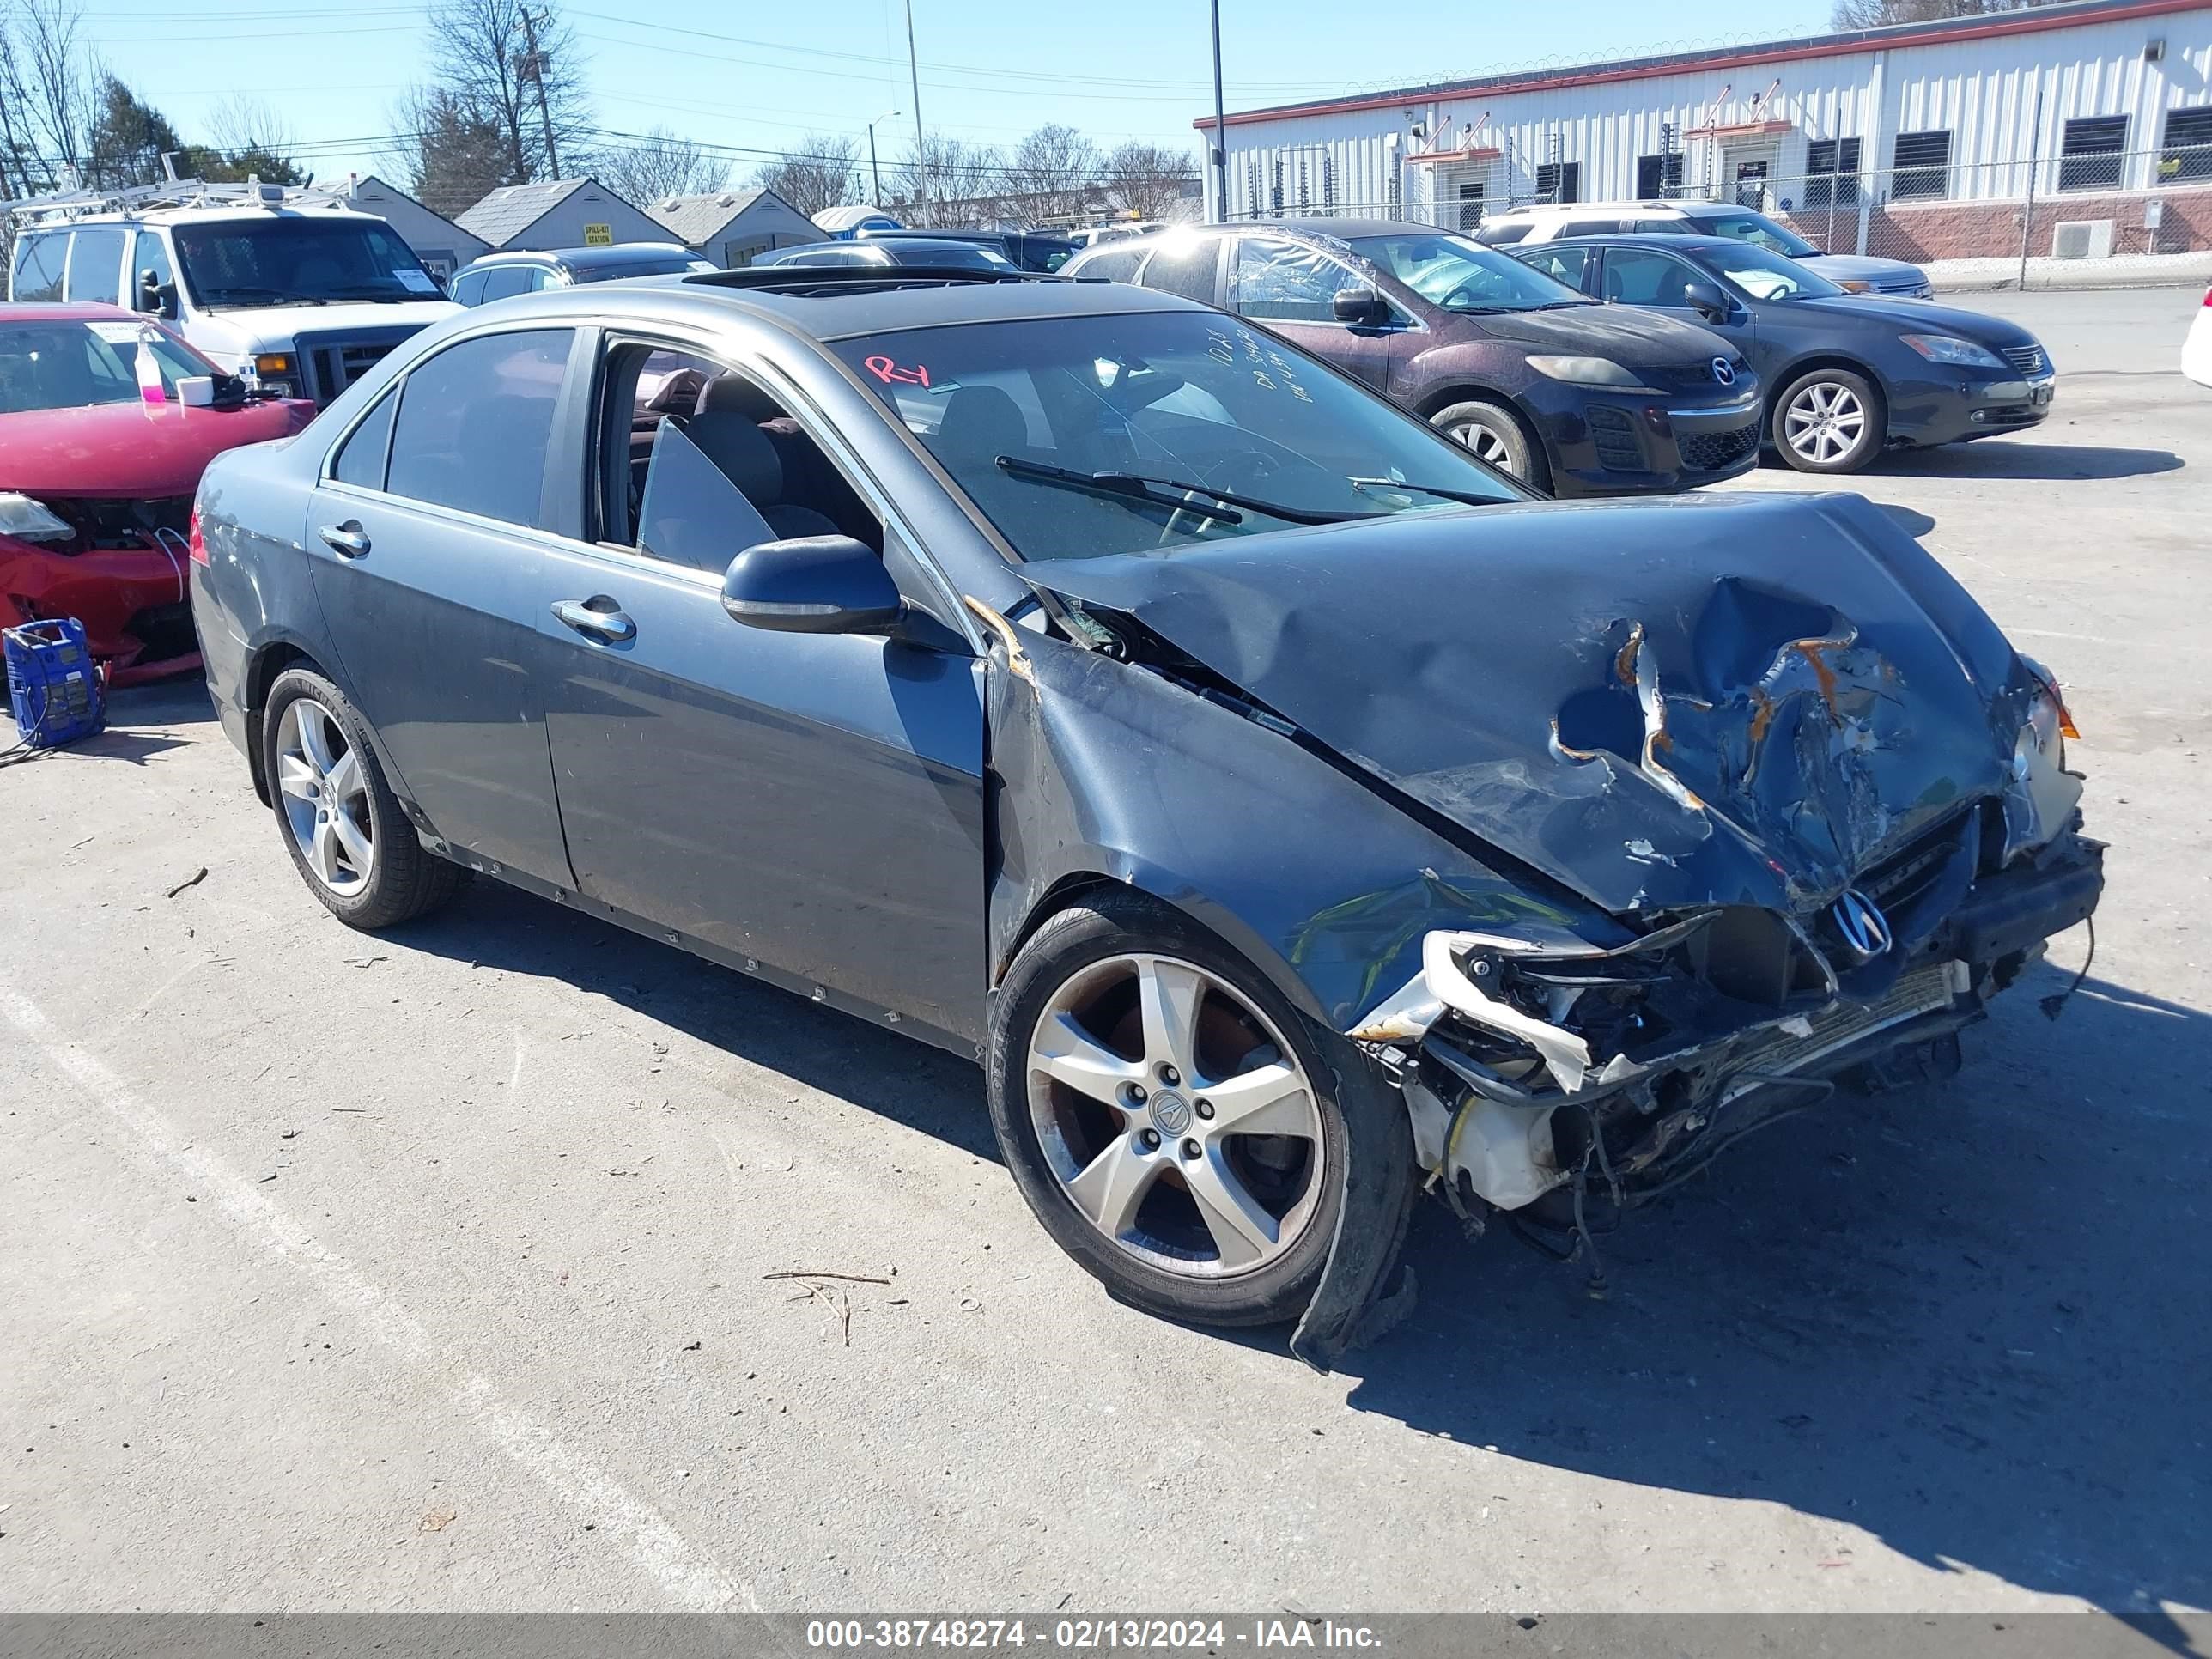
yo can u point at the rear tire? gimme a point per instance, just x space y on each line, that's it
348 836
1494 434
1208 1223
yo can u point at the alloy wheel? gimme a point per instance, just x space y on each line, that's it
1486 445
326 797
1174 1118
1824 422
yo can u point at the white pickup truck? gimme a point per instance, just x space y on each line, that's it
285 286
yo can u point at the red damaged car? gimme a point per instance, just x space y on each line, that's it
96 481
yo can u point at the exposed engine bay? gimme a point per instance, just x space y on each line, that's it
120 565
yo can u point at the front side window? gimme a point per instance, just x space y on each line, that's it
469 287
151 258
1635 277
504 282
1757 229
96 264
1185 268
1118 266
1283 282
1764 276
1459 274
474 423
72 365
1504 232
1081 436
39 261
292 260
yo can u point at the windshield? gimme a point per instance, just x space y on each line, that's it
77 365
1766 275
1461 274
1026 417
1757 229
299 261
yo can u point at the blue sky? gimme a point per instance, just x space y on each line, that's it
764 76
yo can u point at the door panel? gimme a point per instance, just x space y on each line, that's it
813 801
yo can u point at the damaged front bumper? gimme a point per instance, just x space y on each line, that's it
1524 1068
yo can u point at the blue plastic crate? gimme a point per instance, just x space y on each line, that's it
53 685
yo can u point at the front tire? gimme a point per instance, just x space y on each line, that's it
346 831
1830 421
1494 434
1167 1114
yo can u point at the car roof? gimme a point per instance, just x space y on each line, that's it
1340 229
238 213
1660 239
1688 209
66 311
583 258
829 303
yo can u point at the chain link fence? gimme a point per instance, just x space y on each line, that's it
2081 219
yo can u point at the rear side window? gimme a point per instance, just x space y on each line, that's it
468 287
1187 270
1502 235
96 265
361 460
1668 227
1117 267
1589 228
474 423
502 280
39 262
1561 264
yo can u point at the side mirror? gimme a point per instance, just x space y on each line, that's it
1706 300
812 584
1360 307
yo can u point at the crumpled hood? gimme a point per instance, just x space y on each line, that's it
1705 700
132 451
1633 337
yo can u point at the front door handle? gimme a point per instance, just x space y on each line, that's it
345 539
599 615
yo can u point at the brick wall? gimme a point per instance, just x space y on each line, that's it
1920 231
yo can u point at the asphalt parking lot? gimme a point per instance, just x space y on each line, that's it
436 1270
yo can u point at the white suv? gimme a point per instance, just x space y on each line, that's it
1858 273
291 288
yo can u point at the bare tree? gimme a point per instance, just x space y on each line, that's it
516 66
823 171
1147 180
949 183
243 123
657 166
65 79
1876 14
23 171
1050 174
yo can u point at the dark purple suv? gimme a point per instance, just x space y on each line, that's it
1567 394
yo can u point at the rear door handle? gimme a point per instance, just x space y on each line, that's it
345 539
599 615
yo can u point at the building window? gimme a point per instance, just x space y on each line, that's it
1559 181
2089 158
2186 154
1923 165
1658 176
1832 172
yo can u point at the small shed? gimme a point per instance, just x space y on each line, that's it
559 213
439 243
734 226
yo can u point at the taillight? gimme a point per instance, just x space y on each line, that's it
194 543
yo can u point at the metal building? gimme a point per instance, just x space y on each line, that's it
2074 129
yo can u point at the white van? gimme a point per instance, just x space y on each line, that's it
286 286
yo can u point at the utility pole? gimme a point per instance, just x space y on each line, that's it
2034 148
1220 129
875 177
533 66
913 80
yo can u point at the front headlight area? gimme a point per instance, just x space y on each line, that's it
2044 796
1953 352
277 374
1588 371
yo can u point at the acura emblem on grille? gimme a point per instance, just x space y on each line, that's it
1859 920
1723 372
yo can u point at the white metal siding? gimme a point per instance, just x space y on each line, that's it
1983 91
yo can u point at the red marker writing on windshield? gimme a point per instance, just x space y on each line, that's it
889 372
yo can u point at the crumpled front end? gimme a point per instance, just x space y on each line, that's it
1527 1071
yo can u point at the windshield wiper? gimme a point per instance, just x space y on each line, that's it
232 297
1136 486
376 296
1467 496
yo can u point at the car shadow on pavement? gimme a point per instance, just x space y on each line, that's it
1997 457
494 925
1966 1317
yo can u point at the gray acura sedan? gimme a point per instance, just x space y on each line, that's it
1286 809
